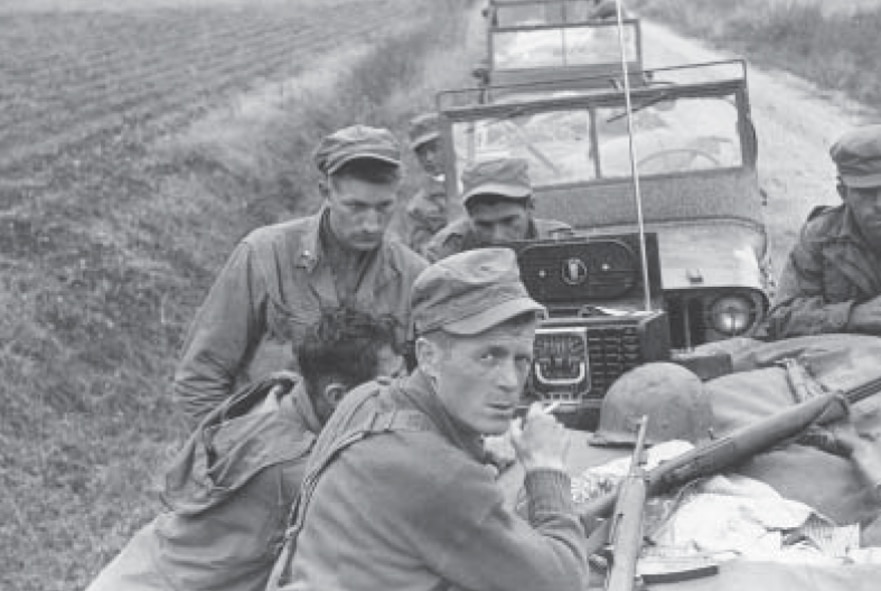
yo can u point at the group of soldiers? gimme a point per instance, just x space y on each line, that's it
308 468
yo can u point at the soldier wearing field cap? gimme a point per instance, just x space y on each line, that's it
397 494
497 196
279 278
427 210
832 279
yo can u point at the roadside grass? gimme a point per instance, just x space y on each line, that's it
100 275
830 45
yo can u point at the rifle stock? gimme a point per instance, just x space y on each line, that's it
626 529
730 450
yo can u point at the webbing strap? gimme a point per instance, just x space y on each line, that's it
376 422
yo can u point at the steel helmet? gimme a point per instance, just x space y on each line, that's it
672 397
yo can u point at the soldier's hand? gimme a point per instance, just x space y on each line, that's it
499 450
540 440
866 317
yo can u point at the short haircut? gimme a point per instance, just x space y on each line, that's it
369 170
490 199
343 346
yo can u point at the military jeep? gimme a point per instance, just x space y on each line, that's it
550 41
620 292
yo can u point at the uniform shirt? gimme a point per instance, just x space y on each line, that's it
425 214
273 287
458 237
830 269
417 509
229 492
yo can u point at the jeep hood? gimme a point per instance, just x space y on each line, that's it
708 253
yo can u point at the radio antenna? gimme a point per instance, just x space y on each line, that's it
634 173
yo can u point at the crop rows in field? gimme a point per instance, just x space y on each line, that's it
66 79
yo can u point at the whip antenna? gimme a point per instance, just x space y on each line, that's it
637 195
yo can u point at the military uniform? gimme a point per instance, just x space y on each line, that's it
279 279
507 178
427 210
397 494
229 493
836 264
829 270
424 216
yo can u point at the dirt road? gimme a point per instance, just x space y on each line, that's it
796 123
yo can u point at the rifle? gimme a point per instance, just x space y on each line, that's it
730 450
625 532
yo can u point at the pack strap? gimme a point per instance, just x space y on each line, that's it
376 422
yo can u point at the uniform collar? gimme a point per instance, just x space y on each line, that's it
302 405
851 232
310 252
423 395
309 248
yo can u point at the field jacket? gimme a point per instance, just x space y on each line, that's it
830 269
397 496
425 214
229 494
458 236
273 287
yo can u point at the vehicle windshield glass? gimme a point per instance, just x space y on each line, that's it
556 144
566 46
670 136
542 13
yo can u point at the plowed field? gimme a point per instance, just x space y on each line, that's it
76 80
94 251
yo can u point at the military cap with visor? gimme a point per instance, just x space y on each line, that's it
356 142
470 292
508 177
423 129
857 154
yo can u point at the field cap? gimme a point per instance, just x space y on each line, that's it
470 292
354 143
423 129
857 154
502 176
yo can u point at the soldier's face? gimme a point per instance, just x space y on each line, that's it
866 207
430 157
479 379
360 211
499 222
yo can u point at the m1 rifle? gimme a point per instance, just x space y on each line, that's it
730 450
625 531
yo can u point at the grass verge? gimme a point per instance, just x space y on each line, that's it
102 271
834 48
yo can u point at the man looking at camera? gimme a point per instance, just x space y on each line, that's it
398 495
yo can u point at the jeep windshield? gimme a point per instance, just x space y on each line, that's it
520 13
583 142
594 43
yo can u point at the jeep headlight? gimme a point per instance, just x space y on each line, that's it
731 315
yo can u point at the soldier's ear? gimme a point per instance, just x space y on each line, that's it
324 187
427 356
841 188
333 393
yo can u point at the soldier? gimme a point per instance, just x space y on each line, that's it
497 194
397 494
230 489
832 279
427 210
280 277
